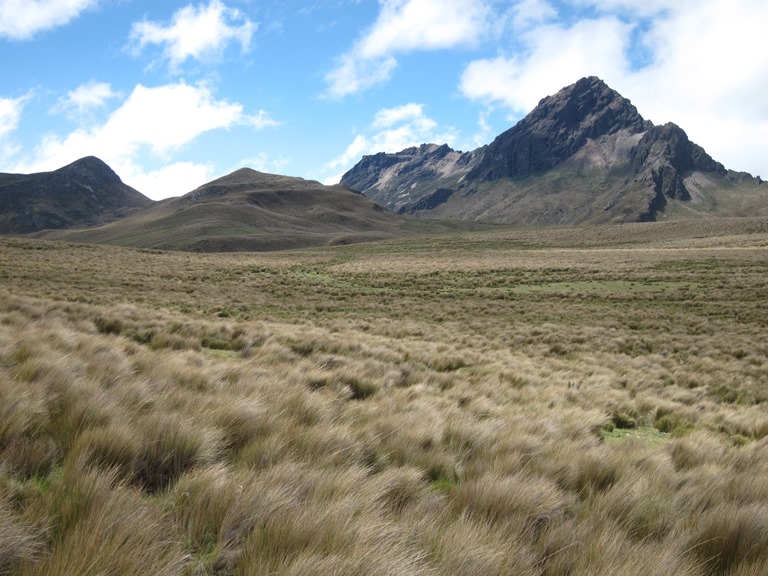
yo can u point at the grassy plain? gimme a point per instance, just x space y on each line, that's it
537 402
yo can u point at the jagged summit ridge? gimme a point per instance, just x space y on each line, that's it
557 128
584 154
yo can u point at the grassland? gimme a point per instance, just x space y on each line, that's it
540 402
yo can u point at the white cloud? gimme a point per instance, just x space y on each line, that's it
528 12
22 19
484 132
86 98
405 113
157 121
264 162
406 26
354 74
392 130
171 180
10 113
590 47
196 32
260 120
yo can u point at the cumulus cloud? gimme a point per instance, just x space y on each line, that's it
260 120
195 32
392 130
705 66
10 113
528 12
22 19
158 121
590 47
171 180
85 98
406 26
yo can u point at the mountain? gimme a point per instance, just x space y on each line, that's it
583 155
248 210
84 193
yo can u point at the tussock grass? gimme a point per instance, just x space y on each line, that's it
20 544
535 403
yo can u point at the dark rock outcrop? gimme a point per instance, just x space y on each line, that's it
430 202
584 154
556 129
665 155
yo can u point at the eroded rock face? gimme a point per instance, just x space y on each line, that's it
587 132
557 128
665 155
403 179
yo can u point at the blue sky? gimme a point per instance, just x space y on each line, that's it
174 94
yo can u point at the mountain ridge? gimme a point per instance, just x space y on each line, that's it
623 168
86 192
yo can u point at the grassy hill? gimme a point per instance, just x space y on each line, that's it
248 210
537 402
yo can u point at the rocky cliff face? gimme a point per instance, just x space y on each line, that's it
619 167
557 129
401 180
84 193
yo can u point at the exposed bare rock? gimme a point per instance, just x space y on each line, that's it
403 179
557 129
583 155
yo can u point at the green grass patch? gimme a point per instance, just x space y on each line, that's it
645 434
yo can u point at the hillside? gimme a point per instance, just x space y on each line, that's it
583 155
84 193
248 210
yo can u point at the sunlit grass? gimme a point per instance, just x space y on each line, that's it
539 403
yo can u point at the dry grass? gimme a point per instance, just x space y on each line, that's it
534 403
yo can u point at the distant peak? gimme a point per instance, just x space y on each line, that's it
89 162
91 169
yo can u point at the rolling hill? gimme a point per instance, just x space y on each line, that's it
248 210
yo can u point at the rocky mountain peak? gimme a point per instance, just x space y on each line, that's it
584 154
557 128
90 170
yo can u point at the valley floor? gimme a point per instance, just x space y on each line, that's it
573 401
